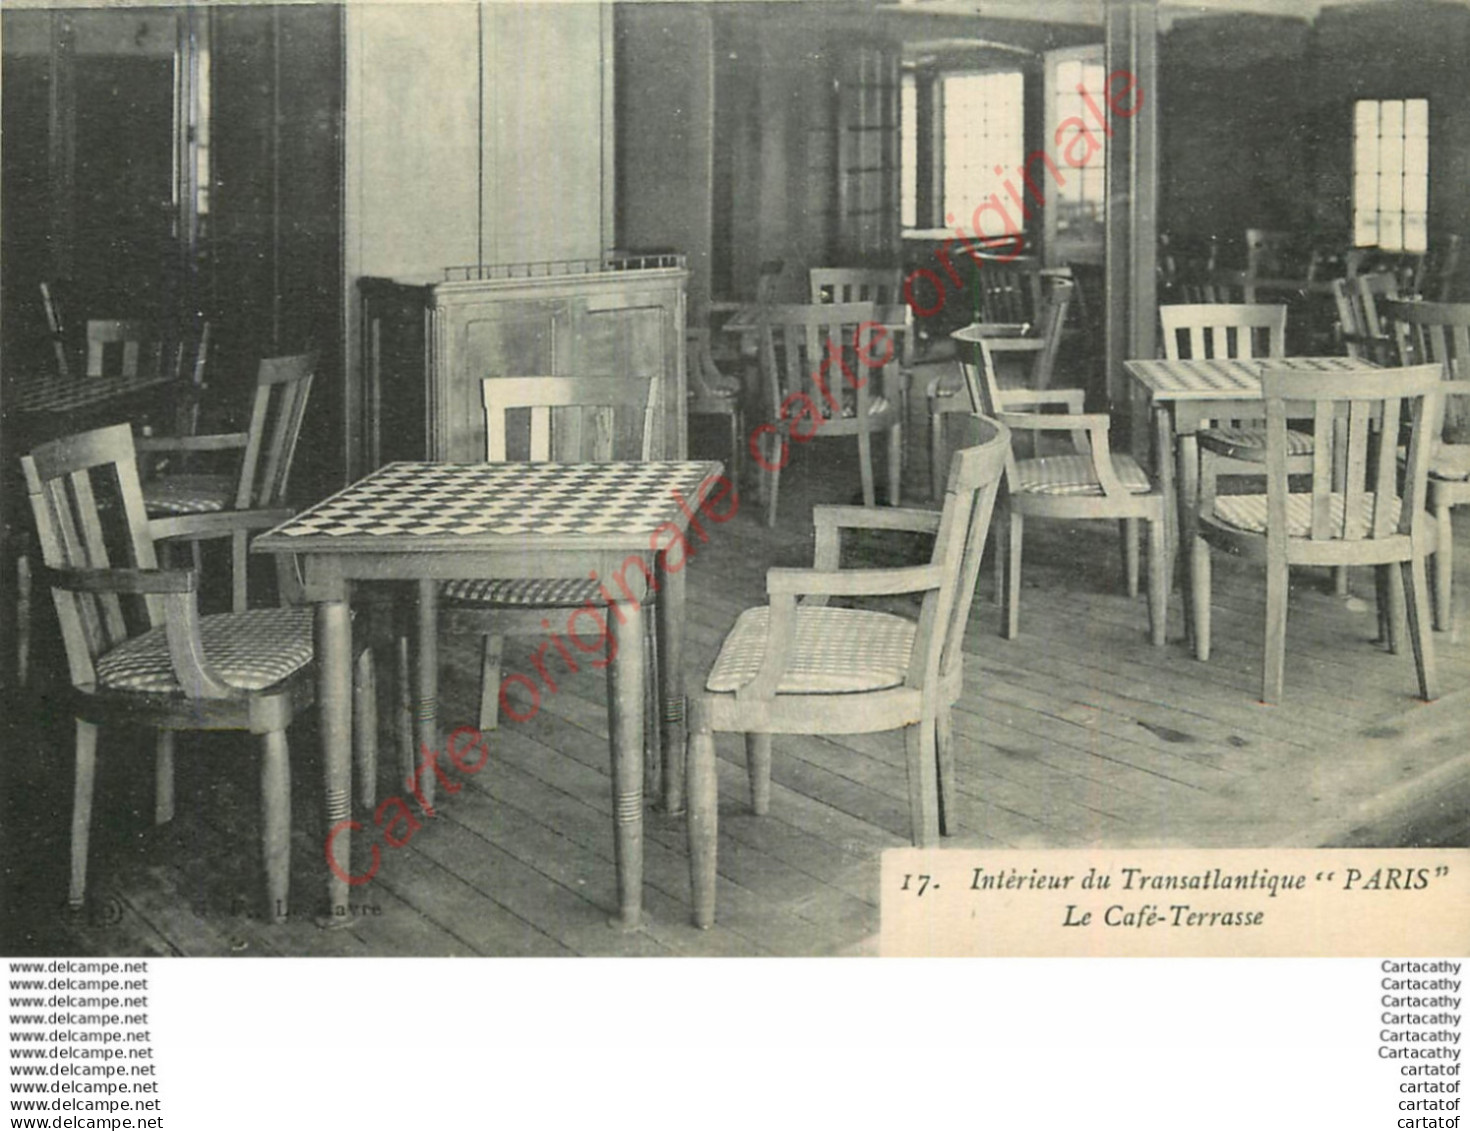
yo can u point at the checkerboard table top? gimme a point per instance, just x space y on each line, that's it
1239 378
447 505
47 392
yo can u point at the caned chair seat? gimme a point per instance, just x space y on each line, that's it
1248 512
1074 475
252 650
836 651
189 494
1250 443
527 591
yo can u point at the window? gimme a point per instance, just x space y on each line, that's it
1078 202
909 152
983 123
1391 174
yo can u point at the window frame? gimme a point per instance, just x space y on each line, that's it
1355 176
1061 249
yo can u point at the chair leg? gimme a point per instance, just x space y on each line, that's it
895 465
758 770
365 727
24 595
1421 638
403 705
490 653
737 437
163 778
919 746
1393 583
81 810
865 469
1128 528
944 755
1273 669
1444 567
773 479
1339 581
937 455
1158 582
1013 577
1199 582
703 830
653 747
275 822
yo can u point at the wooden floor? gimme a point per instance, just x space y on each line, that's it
1077 734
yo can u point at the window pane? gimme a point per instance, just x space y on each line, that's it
1416 118
1416 232
1391 230
1391 173
908 157
982 130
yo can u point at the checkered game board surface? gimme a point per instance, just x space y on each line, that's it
429 500
50 393
1206 378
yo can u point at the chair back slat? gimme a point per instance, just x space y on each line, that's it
1438 333
817 361
282 391
976 470
1008 292
569 419
1351 410
839 285
1223 330
120 347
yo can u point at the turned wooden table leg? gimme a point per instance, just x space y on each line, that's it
625 676
1187 486
334 702
671 692
426 692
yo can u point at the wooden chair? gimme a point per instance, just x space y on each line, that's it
1217 286
1366 519
712 393
1092 481
57 315
1438 333
1034 354
138 651
1009 292
817 364
267 448
125 340
1360 327
570 420
1267 253
840 285
806 668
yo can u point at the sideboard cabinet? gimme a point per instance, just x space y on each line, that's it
427 345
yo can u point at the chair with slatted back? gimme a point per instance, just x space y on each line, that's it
817 364
802 667
57 324
267 448
1033 355
884 288
1089 482
1439 333
568 420
1363 518
1009 292
713 393
138 651
1362 329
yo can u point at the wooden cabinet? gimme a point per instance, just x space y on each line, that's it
427 345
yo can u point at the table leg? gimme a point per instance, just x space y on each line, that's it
1187 444
426 693
334 702
671 691
625 702
1164 464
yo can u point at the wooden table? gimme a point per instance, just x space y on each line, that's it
1187 395
430 522
35 394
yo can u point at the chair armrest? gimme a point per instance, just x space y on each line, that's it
216 524
1015 345
784 581
1090 422
219 442
1024 398
828 520
127 581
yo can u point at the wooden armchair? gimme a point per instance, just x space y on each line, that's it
801 667
1361 328
139 652
1091 481
817 366
1035 353
266 449
1438 333
1364 518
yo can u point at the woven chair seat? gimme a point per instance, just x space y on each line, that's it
1073 475
531 592
251 650
1248 513
1251 442
189 494
835 651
